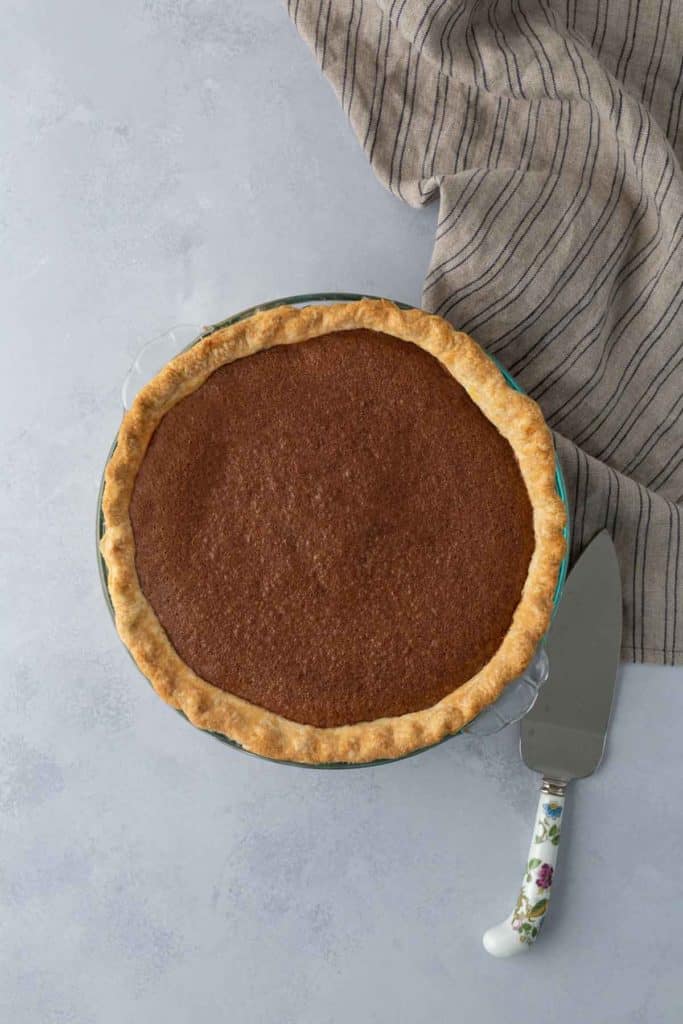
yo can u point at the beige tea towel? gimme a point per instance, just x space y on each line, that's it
549 132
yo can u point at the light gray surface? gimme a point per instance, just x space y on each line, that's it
169 161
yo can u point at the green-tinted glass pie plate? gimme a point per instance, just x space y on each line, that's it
518 696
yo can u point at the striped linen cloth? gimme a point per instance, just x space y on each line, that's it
550 134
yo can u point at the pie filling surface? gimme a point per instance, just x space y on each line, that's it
332 530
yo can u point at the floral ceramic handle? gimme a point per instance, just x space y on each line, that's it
520 930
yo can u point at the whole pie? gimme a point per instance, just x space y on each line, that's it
332 533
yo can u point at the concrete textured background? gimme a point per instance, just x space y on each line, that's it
167 161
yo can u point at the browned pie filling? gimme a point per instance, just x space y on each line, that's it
332 529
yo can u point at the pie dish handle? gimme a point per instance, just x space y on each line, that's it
517 698
520 930
154 355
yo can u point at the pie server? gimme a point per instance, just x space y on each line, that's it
563 736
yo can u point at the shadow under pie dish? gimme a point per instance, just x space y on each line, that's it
332 533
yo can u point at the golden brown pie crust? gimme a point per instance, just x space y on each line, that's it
516 417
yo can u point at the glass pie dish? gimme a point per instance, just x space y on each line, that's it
518 696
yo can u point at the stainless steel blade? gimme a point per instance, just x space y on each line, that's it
563 736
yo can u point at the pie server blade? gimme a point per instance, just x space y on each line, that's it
563 735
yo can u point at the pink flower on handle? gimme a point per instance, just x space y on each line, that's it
544 878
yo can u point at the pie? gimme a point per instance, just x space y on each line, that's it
332 532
